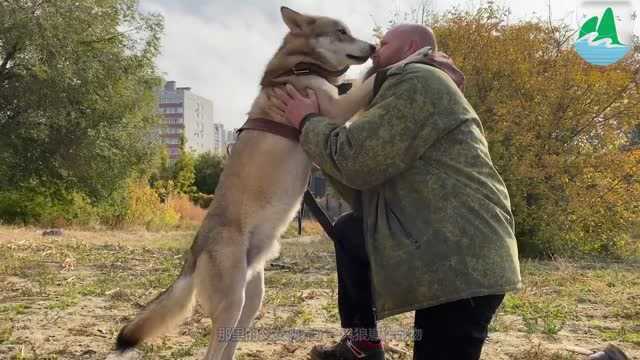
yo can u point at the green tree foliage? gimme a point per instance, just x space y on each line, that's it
77 94
178 177
185 173
161 178
561 131
208 168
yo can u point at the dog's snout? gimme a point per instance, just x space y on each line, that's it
372 48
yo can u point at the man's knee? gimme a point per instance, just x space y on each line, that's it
350 238
348 225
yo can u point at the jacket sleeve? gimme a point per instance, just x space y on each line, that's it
402 121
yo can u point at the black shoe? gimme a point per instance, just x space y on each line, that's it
611 352
345 350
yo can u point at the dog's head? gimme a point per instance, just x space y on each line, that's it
326 40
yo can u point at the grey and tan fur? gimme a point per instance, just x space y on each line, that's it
258 194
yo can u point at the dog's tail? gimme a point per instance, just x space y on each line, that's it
163 312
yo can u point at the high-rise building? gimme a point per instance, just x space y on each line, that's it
231 136
219 138
188 114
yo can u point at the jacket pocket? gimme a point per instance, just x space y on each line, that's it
396 224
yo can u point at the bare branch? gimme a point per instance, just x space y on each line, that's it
594 120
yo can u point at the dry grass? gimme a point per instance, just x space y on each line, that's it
309 228
66 298
539 352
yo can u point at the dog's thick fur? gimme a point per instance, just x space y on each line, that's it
258 194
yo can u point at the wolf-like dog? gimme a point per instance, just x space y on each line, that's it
258 194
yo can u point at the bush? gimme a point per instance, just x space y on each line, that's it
208 168
134 204
202 200
75 210
29 205
189 212
144 208
22 206
112 211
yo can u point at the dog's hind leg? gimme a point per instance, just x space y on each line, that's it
253 295
224 295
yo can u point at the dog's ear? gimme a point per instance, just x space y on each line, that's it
295 21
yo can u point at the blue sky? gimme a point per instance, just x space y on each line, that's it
220 47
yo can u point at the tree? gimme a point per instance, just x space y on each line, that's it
185 173
77 93
208 169
556 126
161 178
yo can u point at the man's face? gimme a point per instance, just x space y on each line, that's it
393 48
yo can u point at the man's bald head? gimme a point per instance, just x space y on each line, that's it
419 34
401 41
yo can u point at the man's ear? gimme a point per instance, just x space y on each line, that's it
295 21
412 47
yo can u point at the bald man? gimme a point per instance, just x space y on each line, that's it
431 228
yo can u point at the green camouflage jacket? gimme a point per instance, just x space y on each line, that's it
437 219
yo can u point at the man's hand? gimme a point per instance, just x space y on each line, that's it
293 105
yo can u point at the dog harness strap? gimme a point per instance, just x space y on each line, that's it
292 133
272 127
319 214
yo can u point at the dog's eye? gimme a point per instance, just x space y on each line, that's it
342 31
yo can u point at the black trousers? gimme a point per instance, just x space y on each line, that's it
452 331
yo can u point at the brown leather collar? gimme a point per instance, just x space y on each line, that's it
272 127
304 68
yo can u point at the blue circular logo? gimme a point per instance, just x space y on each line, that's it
598 41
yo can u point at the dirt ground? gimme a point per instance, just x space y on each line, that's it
66 298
